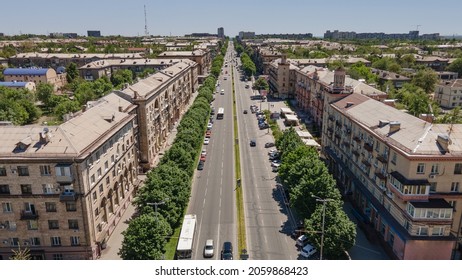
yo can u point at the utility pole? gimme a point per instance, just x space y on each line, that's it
155 204
324 201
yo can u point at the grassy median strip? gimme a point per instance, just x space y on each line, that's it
241 238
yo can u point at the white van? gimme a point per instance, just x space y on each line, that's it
308 251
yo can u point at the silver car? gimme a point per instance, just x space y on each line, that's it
208 248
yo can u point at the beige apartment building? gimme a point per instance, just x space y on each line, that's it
64 188
403 175
282 78
448 94
316 87
161 100
35 75
100 68
202 57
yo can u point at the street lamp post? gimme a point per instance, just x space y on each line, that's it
155 204
318 199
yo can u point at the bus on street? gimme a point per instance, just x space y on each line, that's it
186 239
221 113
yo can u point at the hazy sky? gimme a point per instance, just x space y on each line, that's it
179 17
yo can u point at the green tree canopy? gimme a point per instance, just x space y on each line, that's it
456 66
426 79
145 238
71 72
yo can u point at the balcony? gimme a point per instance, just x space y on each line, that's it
29 215
67 196
382 158
380 175
408 189
366 162
368 147
64 179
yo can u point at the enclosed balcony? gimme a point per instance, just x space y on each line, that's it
408 189
29 215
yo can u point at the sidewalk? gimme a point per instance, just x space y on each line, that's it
114 242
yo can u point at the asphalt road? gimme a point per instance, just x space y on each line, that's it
268 222
213 197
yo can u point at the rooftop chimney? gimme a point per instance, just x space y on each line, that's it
394 126
383 123
444 141
120 108
349 104
339 78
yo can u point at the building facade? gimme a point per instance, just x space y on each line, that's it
401 173
161 100
36 76
202 57
448 94
64 188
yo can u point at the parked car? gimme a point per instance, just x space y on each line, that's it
253 143
302 241
269 144
275 167
206 141
200 166
208 134
204 152
245 112
308 251
208 248
275 162
227 251
263 125
209 126
272 152
202 158
222 92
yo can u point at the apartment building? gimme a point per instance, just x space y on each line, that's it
448 94
434 62
316 87
100 68
19 85
35 75
402 173
264 56
64 188
282 78
397 80
202 57
161 100
56 60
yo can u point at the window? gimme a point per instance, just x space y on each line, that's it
45 170
63 170
106 165
71 206
11 225
112 159
99 173
23 171
35 241
53 224
438 231
458 168
14 241
7 207
2 171
94 196
96 212
101 189
55 241
435 169
26 189
50 206
4 189
433 186
455 187
32 225
75 241
393 158
108 180
453 204
73 224
113 173
422 231
92 179
47 188
421 168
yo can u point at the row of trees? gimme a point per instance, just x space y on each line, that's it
169 183
306 177
248 66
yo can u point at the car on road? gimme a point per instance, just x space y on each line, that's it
208 248
308 251
302 241
247 86
208 134
225 78
269 144
253 143
206 141
209 126
222 92
263 125
275 162
275 167
227 251
202 158
204 152
200 166
245 112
